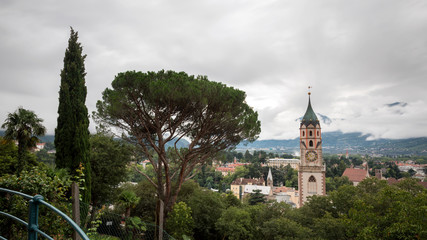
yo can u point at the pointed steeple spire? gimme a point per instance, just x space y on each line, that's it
309 116
270 179
269 176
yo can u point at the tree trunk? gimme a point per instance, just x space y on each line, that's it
127 214
75 207
161 218
21 155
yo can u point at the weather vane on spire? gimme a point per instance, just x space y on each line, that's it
309 90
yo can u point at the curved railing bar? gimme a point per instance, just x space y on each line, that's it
24 223
66 218
14 218
44 234
39 199
17 193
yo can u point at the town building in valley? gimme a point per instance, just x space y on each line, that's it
279 162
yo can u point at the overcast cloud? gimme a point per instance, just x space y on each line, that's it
366 60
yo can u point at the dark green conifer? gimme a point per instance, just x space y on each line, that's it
71 133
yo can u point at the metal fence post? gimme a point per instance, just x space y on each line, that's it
33 219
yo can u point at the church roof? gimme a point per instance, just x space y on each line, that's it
265 190
355 174
392 180
309 116
282 189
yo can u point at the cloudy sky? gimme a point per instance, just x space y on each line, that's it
366 60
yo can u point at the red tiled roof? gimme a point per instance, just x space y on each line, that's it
238 164
409 164
281 189
225 169
355 174
391 181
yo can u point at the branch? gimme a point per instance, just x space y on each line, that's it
192 175
148 178
142 112
176 149
145 149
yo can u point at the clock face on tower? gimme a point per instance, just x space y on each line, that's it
311 156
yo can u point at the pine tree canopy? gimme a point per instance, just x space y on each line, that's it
157 108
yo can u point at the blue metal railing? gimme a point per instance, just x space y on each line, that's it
32 225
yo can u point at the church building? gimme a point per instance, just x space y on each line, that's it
311 174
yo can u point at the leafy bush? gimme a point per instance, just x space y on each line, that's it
42 181
180 222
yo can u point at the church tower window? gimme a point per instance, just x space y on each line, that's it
311 133
312 186
311 143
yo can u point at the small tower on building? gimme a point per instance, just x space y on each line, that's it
311 174
270 179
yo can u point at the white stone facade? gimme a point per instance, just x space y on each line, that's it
278 162
311 183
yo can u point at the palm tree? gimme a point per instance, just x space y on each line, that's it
128 200
23 126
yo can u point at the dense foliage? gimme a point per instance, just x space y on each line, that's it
71 133
372 210
45 157
9 158
37 180
108 160
180 222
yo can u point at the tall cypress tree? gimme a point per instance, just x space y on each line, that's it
71 133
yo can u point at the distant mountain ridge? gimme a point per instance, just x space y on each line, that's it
322 118
356 142
51 138
45 138
333 142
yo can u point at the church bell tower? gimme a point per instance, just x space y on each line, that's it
311 174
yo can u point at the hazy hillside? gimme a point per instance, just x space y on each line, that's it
46 138
338 142
333 142
50 138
